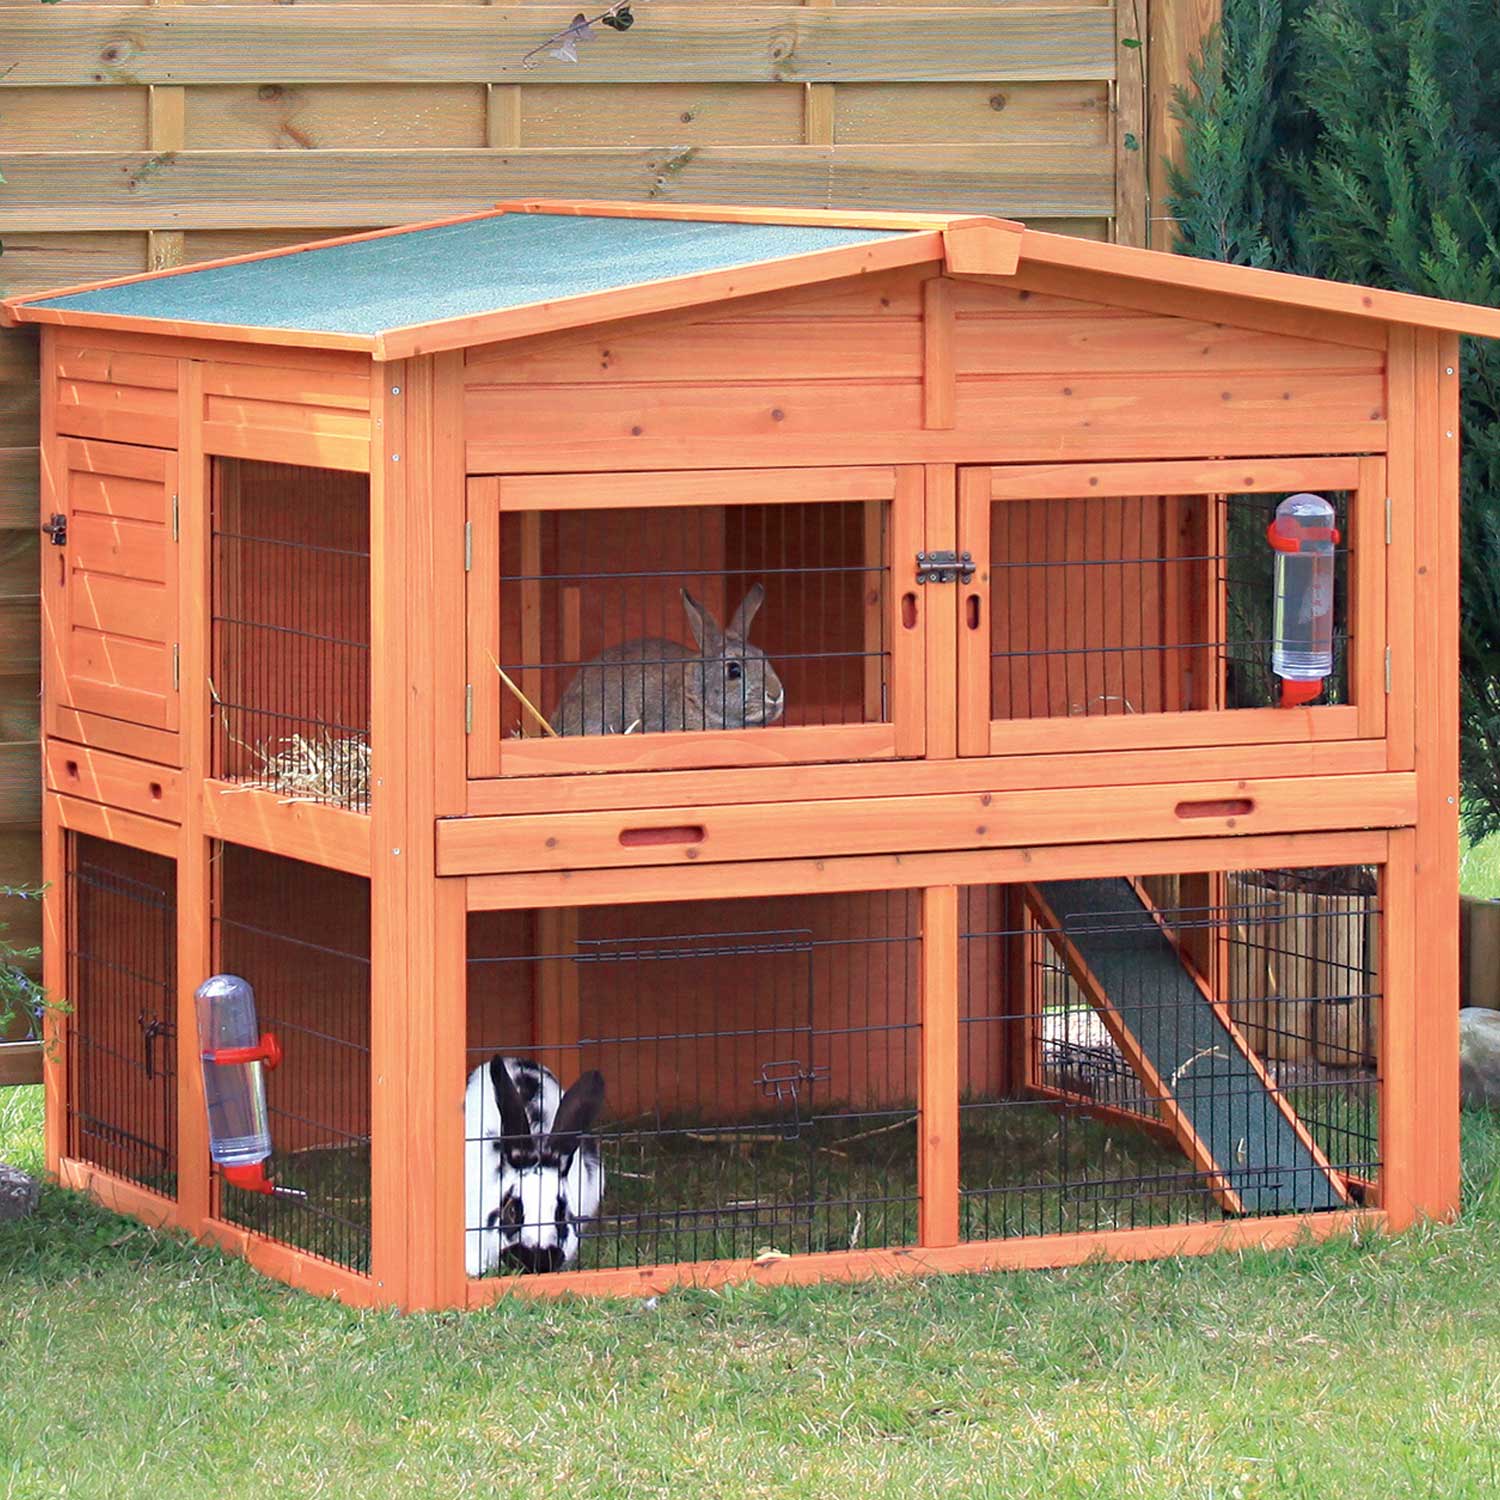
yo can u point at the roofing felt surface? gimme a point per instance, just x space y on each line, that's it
456 270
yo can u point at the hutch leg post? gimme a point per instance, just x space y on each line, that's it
56 916
392 1090
434 1001
195 882
1401 1124
1437 585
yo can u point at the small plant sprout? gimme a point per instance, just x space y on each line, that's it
564 44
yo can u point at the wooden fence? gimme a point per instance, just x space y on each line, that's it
139 136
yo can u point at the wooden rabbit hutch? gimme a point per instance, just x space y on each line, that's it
813 672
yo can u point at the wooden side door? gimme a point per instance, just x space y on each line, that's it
110 577
565 569
1127 606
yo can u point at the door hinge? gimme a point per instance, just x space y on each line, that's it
176 521
1388 520
944 567
1388 669
57 529
468 546
176 667
468 708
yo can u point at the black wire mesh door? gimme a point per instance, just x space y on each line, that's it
771 616
1168 1050
122 1033
1098 615
759 1063
301 935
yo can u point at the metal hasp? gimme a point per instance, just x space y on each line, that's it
944 567
57 529
782 1081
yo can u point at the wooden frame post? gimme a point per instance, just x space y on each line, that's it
1436 641
556 1021
56 1041
434 1002
194 894
1022 993
937 1151
940 483
1400 1124
56 915
391 853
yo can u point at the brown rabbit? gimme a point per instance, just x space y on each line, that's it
651 685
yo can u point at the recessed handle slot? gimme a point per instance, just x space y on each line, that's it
71 767
679 833
971 611
909 611
156 791
1226 807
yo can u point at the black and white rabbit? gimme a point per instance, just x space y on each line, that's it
532 1173
653 685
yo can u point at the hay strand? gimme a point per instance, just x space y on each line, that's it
526 702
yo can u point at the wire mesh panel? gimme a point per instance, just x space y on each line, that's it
1118 1062
1143 604
301 935
122 987
291 630
759 1065
744 620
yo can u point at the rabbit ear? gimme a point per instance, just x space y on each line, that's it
749 605
703 625
578 1110
514 1121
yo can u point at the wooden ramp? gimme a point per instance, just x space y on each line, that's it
1214 1092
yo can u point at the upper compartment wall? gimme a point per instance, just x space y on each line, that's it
308 406
851 373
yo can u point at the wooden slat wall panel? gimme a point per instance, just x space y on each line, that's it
81 46
319 190
144 135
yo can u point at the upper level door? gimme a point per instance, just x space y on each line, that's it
1133 606
694 619
110 577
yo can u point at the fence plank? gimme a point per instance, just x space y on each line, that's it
18 492
34 262
20 786
1178 30
1018 114
341 116
35 119
83 46
20 1063
646 114
319 190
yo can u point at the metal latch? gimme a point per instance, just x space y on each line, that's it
944 567
783 1082
150 1031
57 529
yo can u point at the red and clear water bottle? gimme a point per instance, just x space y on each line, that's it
1304 537
236 1055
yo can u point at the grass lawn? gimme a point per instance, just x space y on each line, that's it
1479 868
134 1364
